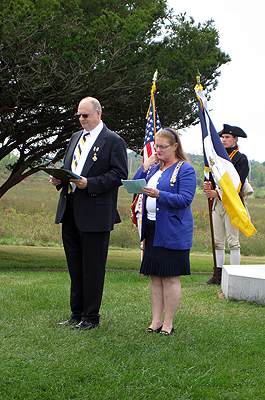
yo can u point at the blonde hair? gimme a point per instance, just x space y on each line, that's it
173 137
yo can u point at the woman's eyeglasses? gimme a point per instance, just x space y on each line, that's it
157 146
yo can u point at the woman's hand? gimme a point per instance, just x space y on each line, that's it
153 159
151 192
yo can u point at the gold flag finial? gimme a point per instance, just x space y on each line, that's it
198 77
198 87
153 89
155 77
154 82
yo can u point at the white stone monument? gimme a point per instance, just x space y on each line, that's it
244 282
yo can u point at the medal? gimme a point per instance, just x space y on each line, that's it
95 149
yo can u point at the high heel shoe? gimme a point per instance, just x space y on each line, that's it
166 333
150 330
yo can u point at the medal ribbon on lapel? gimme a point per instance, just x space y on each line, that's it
95 149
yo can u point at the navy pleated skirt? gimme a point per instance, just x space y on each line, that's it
160 261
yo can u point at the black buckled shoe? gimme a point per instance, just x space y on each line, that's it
212 280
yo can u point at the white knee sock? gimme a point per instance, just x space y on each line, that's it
220 258
235 257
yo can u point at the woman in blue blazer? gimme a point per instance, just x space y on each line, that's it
167 225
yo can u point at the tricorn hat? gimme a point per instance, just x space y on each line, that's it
233 130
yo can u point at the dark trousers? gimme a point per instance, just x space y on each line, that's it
86 254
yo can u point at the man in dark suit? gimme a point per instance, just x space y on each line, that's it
87 209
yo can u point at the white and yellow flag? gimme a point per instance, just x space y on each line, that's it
217 161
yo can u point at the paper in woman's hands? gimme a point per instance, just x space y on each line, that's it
134 186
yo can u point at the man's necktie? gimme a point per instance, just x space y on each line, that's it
76 157
78 151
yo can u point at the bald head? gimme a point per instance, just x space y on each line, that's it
89 110
94 103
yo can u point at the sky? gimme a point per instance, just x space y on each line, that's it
239 97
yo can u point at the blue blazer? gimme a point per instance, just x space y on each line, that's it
174 221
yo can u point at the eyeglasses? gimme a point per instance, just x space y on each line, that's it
82 115
157 146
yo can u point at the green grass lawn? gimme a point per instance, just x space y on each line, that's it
52 258
218 350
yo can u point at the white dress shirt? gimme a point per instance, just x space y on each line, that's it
90 140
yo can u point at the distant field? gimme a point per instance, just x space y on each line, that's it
27 215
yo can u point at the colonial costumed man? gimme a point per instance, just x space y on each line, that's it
222 226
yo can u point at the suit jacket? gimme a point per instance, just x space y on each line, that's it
95 208
174 221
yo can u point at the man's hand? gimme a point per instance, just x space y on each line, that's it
80 183
54 181
209 192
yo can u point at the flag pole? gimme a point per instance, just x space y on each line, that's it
153 110
213 244
209 204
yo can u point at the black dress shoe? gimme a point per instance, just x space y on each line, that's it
150 330
70 321
84 325
166 333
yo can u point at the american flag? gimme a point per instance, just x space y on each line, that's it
152 126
